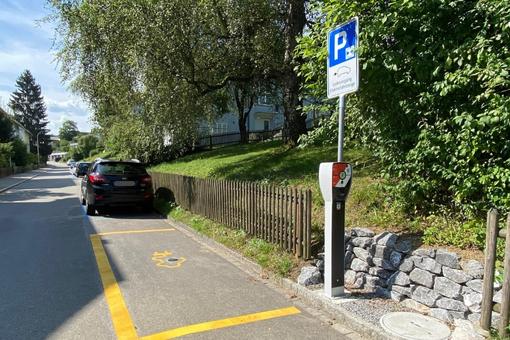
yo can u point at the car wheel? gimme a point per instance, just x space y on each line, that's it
102 210
91 210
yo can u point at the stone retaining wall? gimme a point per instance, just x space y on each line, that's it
433 281
4 172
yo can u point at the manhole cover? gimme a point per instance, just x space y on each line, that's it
172 259
414 326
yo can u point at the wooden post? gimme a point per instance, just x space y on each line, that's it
490 261
299 223
285 218
264 212
279 210
505 304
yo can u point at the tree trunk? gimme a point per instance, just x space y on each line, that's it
240 95
242 129
295 121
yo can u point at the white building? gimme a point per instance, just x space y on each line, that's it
265 115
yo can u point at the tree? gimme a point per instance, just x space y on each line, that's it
29 109
86 144
295 121
63 146
68 130
168 75
6 129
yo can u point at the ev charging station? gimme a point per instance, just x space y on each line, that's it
335 177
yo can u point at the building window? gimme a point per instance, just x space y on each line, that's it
266 125
219 128
264 99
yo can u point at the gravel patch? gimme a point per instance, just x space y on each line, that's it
371 308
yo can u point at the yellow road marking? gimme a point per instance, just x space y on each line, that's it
121 319
122 322
134 231
159 259
217 324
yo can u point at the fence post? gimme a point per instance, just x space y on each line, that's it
308 223
505 304
490 261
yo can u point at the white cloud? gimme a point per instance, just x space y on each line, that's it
26 43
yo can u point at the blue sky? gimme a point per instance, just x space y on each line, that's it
27 43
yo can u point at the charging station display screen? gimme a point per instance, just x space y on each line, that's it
342 173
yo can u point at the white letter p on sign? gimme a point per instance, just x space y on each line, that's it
339 42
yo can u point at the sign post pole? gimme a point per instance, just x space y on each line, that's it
341 116
335 177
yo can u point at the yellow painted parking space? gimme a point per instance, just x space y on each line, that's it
134 231
121 319
218 324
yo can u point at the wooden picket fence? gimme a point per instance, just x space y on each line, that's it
493 232
280 215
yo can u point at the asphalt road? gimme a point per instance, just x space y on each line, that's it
127 275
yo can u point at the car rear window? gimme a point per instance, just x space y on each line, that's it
120 169
84 165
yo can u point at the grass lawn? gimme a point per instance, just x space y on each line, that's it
274 163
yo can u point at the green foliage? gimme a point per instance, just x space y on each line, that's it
19 149
32 159
433 101
325 134
86 144
76 154
68 130
6 129
6 152
463 235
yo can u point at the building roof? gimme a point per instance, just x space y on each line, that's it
13 120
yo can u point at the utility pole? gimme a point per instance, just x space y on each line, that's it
37 137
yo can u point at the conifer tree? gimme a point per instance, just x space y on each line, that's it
29 109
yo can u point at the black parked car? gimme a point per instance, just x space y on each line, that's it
112 183
81 169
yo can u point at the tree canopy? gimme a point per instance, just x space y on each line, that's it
68 130
165 65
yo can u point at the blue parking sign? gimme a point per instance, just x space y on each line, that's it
343 59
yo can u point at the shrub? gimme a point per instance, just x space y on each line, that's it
6 153
20 157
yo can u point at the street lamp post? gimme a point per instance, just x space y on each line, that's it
38 161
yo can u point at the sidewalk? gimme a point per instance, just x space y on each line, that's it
13 180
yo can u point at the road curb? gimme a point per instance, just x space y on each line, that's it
311 298
18 183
